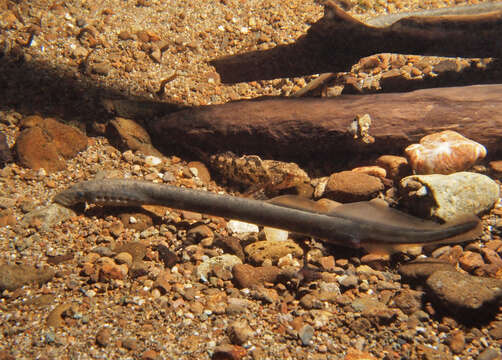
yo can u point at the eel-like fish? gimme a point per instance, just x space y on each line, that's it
363 224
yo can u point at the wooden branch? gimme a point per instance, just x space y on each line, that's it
337 41
315 130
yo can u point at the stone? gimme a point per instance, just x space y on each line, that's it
376 171
126 134
113 272
55 317
349 186
239 332
470 261
408 301
47 143
241 227
273 234
231 244
496 330
423 268
489 354
228 352
5 152
252 170
135 248
14 276
456 290
397 167
247 276
445 153
315 131
260 251
224 262
449 197
456 340
202 171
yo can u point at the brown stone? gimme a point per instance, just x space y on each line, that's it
126 134
310 130
247 276
47 143
202 171
397 166
348 186
470 261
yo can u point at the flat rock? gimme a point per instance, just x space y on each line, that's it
422 269
14 276
464 291
47 143
350 186
449 197
217 264
315 130
47 216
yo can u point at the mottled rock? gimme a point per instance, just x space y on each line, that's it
445 152
272 250
247 276
348 186
47 143
14 276
225 262
126 134
449 197
252 170
456 340
457 290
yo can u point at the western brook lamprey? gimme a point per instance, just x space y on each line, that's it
351 225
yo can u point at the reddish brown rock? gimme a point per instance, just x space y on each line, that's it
349 186
445 152
47 143
247 276
126 134
470 261
316 130
396 166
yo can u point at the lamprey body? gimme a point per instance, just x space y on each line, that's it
350 225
